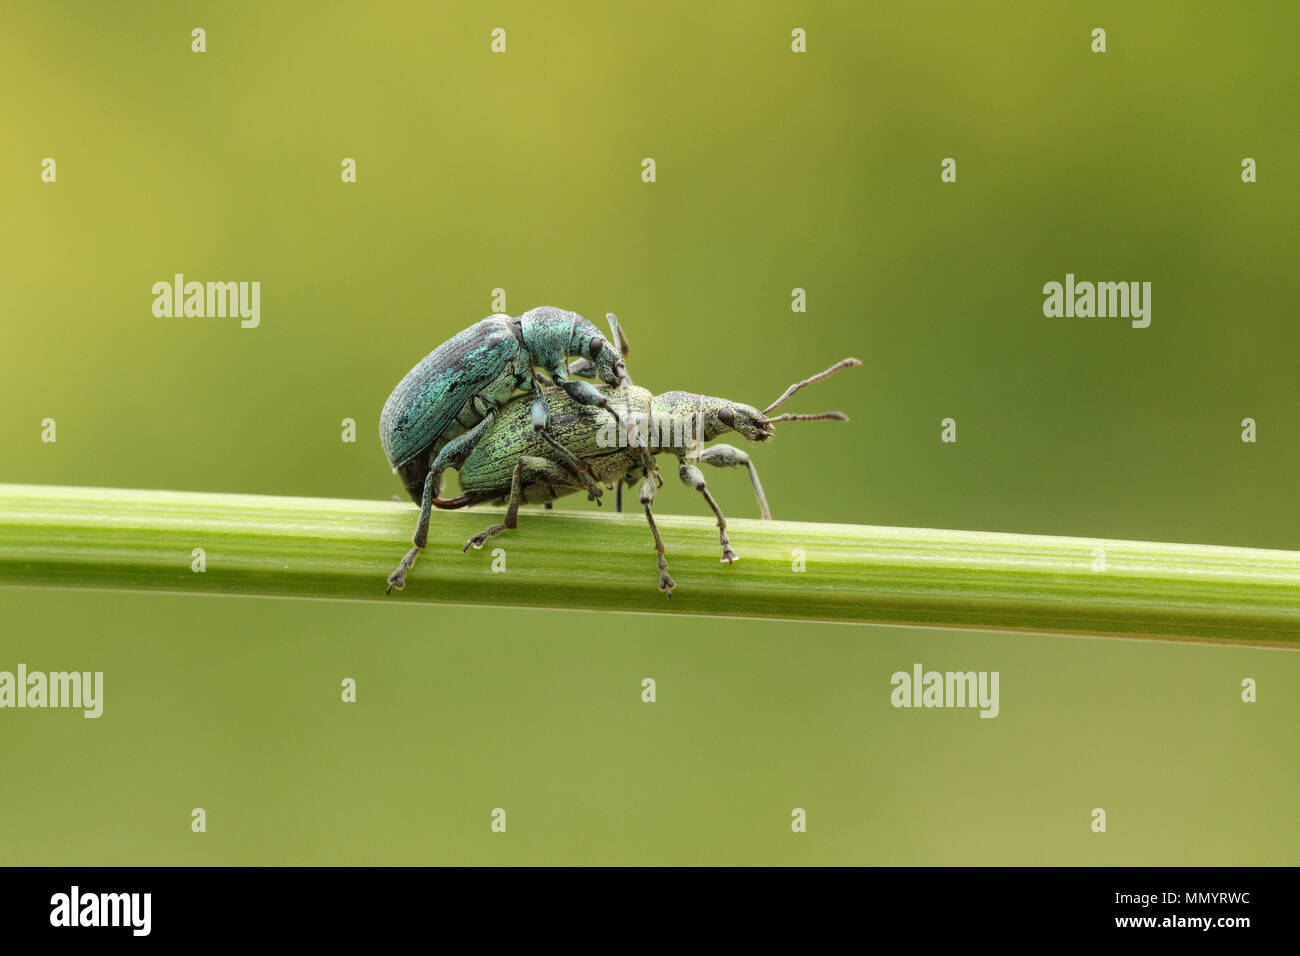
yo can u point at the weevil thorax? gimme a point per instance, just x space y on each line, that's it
551 334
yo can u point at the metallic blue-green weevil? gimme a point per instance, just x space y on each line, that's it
440 410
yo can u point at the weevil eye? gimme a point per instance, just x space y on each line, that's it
727 416
596 347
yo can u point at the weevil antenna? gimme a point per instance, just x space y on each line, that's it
821 416
621 343
624 380
844 363
620 337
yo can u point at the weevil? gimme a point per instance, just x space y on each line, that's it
512 464
439 412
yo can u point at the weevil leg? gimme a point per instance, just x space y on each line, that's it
692 477
548 470
631 477
582 393
453 455
541 418
729 456
648 489
621 343
581 471
398 578
585 394
512 511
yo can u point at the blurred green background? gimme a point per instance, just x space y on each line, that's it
775 170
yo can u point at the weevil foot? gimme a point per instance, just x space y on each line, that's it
728 556
398 578
666 583
594 491
592 486
482 538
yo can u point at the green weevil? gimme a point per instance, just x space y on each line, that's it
443 407
513 465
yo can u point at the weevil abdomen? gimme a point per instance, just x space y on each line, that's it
450 391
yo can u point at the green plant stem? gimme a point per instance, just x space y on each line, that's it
329 548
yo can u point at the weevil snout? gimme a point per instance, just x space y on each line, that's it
610 367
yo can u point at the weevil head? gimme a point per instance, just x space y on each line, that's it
749 421
587 342
610 367
717 416
723 415
740 418
551 334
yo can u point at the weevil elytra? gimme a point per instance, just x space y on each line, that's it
440 411
512 465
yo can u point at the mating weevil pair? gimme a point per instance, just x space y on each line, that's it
514 454
442 408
